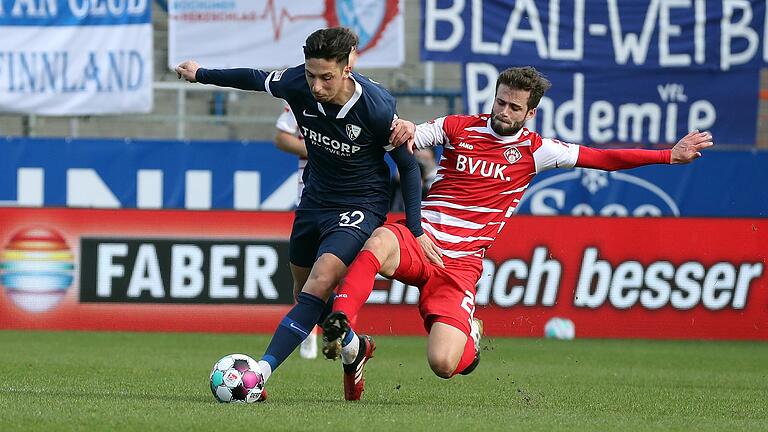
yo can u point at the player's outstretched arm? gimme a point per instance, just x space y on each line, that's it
685 151
239 78
690 146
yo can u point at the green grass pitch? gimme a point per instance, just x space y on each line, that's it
142 382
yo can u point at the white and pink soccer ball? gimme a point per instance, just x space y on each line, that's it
236 378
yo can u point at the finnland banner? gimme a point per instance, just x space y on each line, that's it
75 58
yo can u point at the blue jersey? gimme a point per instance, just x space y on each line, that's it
345 145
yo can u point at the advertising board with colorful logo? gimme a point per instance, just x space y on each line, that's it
225 271
143 270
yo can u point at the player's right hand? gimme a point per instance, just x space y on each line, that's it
187 70
403 132
431 250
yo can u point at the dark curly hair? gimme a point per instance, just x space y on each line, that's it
525 78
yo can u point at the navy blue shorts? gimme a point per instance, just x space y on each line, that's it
341 232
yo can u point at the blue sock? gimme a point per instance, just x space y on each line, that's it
328 308
350 347
293 329
348 337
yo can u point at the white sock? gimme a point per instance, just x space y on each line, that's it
349 351
266 369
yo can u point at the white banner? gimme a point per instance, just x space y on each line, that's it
75 58
269 34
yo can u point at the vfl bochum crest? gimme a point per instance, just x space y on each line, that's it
353 131
368 18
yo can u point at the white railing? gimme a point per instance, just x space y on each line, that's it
181 118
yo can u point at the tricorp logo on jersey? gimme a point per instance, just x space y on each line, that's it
368 18
329 144
587 192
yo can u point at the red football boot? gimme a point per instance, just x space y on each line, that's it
354 378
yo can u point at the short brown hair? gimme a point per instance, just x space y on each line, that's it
331 44
525 78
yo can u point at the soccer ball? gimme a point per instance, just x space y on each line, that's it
236 378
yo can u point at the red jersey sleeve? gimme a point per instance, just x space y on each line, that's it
618 159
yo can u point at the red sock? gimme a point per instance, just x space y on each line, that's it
357 285
467 358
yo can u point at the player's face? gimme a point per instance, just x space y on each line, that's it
510 110
325 78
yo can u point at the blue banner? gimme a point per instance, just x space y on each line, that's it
111 173
646 34
631 106
74 12
254 175
719 184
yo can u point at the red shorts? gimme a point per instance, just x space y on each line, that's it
446 294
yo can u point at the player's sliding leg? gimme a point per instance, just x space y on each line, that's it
450 351
296 325
380 254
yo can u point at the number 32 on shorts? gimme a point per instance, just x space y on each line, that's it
351 219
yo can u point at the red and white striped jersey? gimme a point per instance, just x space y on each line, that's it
481 179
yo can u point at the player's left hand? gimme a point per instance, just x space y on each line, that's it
431 250
403 132
187 70
690 146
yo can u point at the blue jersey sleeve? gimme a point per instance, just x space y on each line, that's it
277 83
410 185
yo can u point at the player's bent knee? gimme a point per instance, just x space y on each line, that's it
442 365
384 245
380 242
320 285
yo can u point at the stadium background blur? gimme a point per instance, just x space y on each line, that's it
241 116
697 273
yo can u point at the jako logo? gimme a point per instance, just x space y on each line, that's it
369 18
466 146
587 192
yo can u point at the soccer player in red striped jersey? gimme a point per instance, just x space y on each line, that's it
488 161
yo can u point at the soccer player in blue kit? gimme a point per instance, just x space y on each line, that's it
345 119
